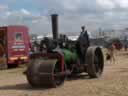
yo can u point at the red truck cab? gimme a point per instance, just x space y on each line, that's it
16 44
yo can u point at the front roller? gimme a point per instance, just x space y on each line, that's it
45 73
95 62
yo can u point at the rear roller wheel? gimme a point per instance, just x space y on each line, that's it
94 61
45 73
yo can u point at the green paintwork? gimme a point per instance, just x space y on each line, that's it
69 55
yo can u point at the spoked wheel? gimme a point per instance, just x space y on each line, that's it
45 73
58 75
95 62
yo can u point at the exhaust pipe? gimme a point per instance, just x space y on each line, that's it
54 19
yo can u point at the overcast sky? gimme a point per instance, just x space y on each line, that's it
73 13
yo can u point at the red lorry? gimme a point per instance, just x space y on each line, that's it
14 45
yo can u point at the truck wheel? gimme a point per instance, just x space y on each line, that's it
3 66
95 62
45 73
3 63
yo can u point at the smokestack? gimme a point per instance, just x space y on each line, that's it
54 18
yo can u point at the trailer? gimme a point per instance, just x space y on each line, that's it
14 46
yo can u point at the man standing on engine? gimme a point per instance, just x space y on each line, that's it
84 33
83 44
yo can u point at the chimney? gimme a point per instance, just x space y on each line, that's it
54 20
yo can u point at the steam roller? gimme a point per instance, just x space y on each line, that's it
60 57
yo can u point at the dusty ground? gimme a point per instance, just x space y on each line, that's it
114 82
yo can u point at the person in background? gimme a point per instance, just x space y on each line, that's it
110 55
125 47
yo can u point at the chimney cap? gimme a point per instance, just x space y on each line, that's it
54 14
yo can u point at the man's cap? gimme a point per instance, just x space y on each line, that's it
82 27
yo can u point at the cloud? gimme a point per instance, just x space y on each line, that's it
26 12
72 14
106 4
111 4
3 8
71 5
